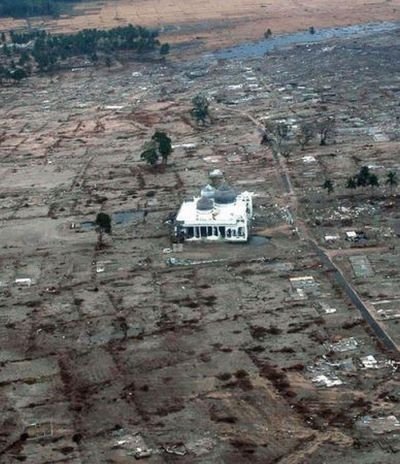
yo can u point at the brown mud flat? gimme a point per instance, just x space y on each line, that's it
219 23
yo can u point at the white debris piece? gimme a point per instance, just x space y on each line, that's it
387 314
302 282
330 310
185 145
215 173
24 282
142 453
327 309
325 381
369 362
351 234
380 425
100 267
301 293
346 344
201 446
331 238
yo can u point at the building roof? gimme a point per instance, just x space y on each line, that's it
224 214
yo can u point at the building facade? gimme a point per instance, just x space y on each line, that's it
218 214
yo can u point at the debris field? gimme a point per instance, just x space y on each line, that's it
201 353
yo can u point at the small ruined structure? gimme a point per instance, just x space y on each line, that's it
218 214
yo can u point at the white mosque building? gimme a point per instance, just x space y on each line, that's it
218 214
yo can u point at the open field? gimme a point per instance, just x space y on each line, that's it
221 355
218 23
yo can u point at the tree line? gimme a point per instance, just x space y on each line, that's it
39 50
28 8
364 178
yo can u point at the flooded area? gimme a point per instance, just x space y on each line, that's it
117 218
126 217
258 240
261 47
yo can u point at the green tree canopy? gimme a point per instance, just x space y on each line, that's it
363 176
47 52
103 222
164 49
373 180
164 144
18 73
150 153
351 183
200 108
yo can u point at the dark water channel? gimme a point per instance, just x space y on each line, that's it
258 240
261 47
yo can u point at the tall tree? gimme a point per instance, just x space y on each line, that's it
373 181
391 180
326 129
200 108
363 176
103 226
276 136
306 134
150 153
6 50
164 144
351 183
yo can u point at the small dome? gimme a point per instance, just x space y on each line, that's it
208 191
204 204
215 174
225 194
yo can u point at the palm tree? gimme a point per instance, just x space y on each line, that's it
373 181
391 180
351 183
328 186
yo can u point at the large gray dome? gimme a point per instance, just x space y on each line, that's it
204 204
224 195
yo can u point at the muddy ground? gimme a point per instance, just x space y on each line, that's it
120 354
220 23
